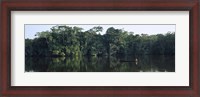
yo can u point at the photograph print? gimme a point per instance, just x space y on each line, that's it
100 48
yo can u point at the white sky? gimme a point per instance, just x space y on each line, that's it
32 29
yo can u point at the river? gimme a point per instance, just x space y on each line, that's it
142 63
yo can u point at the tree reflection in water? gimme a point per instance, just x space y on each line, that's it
145 63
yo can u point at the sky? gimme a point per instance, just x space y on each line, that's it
32 29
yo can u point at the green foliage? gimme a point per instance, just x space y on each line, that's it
73 41
55 52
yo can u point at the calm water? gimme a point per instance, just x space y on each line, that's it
146 63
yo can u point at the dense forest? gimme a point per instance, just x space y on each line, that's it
73 42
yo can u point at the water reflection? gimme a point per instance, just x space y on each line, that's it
144 63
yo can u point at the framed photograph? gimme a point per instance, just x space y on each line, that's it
138 48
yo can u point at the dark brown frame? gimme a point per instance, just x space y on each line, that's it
100 5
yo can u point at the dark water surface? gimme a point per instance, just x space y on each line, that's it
145 63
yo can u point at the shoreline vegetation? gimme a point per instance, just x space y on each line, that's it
65 41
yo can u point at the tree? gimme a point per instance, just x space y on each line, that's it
68 41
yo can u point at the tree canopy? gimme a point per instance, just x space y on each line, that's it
73 41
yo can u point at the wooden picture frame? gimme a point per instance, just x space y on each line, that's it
193 90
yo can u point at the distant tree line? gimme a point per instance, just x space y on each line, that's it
73 41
